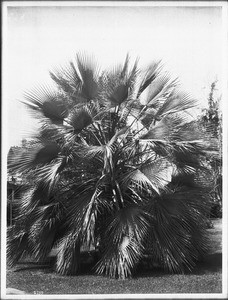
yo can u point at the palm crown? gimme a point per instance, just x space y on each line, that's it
116 165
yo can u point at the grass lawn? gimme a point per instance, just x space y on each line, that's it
205 278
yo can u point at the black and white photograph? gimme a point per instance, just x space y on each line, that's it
114 150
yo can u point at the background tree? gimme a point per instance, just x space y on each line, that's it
119 166
211 120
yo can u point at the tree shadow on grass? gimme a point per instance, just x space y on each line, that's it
85 269
31 266
212 263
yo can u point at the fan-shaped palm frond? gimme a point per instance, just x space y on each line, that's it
89 72
123 236
32 198
125 67
37 155
37 219
43 230
68 254
120 83
162 176
175 241
119 94
80 119
157 90
18 244
178 101
62 81
161 131
151 175
150 75
68 79
50 104
51 173
174 129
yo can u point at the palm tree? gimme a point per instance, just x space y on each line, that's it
117 165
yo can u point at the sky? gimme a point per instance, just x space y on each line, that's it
39 38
